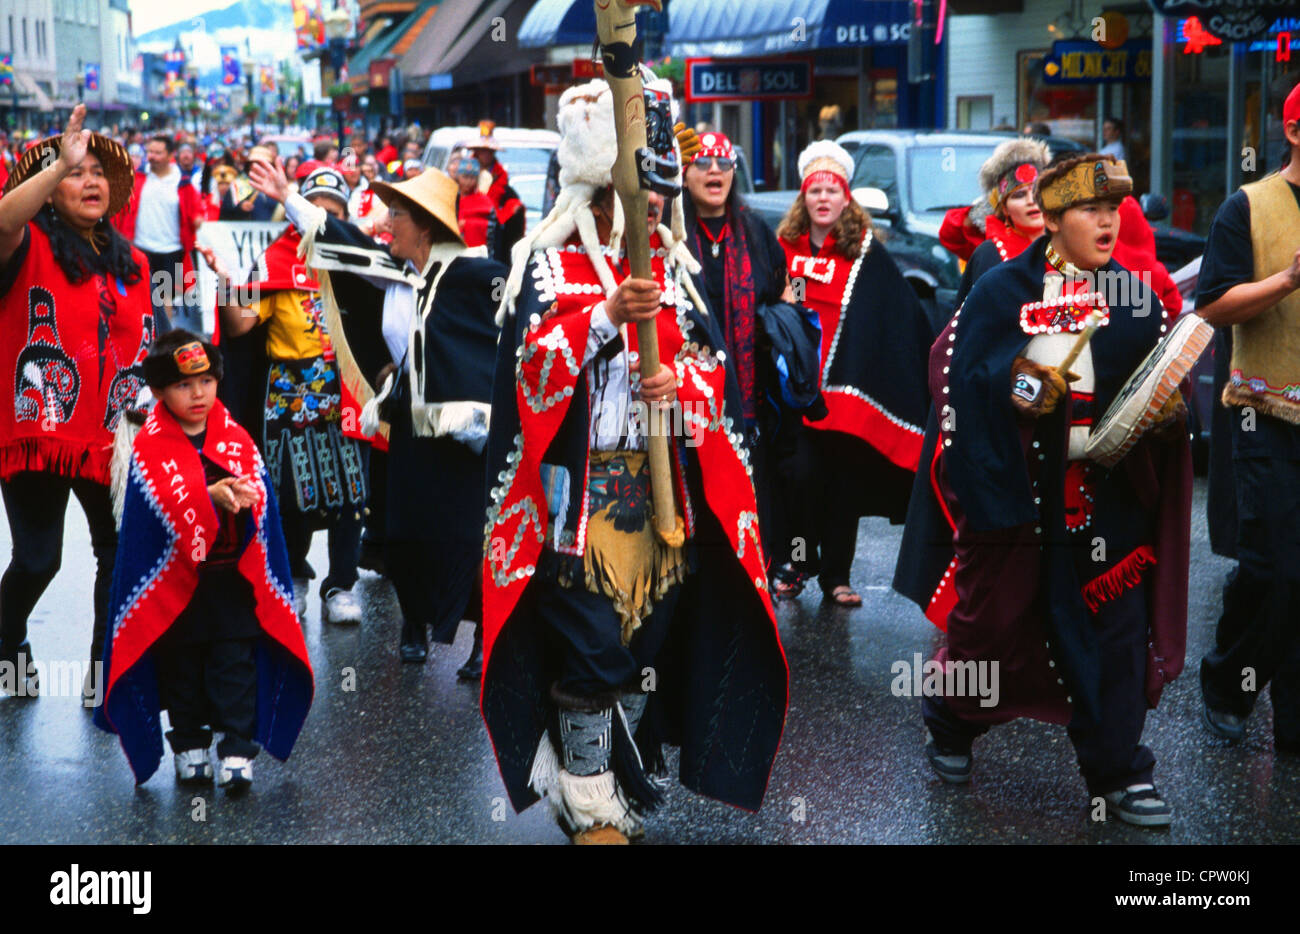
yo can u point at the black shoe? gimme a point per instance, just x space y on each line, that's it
1221 723
19 676
472 670
953 768
415 644
788 582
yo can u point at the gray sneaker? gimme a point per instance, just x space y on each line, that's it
955 769
1141 805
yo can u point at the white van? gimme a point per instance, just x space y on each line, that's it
523 152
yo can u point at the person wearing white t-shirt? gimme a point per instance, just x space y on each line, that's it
165 222
1112 131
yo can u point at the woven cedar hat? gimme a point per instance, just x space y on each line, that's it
1096 177
433 189
111 155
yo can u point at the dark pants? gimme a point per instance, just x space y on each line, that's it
1258 637
166 281
344 548
35 504
1111 755
587 634
431 581
377 503
208 687
824 512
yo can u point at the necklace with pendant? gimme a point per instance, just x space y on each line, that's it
715 243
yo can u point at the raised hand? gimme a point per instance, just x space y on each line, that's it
269 179
214 262
76 140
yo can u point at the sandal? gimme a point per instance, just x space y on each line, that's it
788 582
844 595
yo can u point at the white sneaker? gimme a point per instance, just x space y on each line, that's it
192 766
300 587
341 606
236 773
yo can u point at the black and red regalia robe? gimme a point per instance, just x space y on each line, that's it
1072 577
721 677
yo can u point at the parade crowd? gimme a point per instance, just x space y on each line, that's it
473 408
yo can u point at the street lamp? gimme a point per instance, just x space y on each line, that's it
192 82
250 108
337 26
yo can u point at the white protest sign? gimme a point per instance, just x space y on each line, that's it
237 244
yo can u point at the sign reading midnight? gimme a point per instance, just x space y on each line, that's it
1231 20
1080 61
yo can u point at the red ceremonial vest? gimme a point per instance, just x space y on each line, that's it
73 353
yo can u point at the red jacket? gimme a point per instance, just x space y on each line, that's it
1135 250
506 205
956 236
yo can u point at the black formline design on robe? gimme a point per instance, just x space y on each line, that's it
435 484
987 469
720 675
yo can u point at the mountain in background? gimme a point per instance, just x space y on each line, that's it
255 15
265 25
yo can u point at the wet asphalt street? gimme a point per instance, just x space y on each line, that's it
404 757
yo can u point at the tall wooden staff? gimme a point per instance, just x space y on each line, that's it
616 29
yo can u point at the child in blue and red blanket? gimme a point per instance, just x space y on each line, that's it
202 604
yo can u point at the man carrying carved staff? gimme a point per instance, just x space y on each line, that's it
1067 581
1248 283
602 640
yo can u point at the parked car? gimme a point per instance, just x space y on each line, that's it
531 188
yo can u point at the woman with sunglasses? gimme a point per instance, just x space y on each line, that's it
744 278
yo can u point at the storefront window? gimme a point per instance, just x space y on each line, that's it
884 98
1199 141
1069 109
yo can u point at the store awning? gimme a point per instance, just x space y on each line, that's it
558 22
448 54
728 28
394 40
30 94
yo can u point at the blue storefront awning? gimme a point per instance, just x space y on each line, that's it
558 22
727 28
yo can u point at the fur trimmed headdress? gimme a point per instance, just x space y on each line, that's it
826 156
998 175
587 150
